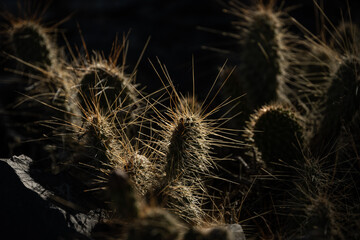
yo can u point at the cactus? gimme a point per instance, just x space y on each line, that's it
340 105
144 173
91 148
98 109
188 130
215 233
188 133
37 55
265 53
345 38
193 234
156 224
187 136
320 220
97 147
276 132
316 63
39 62
105 85
318 206
122 195
98 135
321 215
32 44
113 89
186 159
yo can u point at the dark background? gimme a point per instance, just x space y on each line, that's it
173 27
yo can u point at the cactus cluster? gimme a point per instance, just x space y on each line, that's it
167 166
287 135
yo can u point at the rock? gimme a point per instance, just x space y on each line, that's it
28 210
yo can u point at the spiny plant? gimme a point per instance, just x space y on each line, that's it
320 220
32 45
276 133
187 137
130 216
91 143
122 195
340 105
140 163
103 79
317 208
40 62
189 132
346 172
265 53
186 158
31 42
95 146
156 224
213 233
316 61
98 81
345 38
349 147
